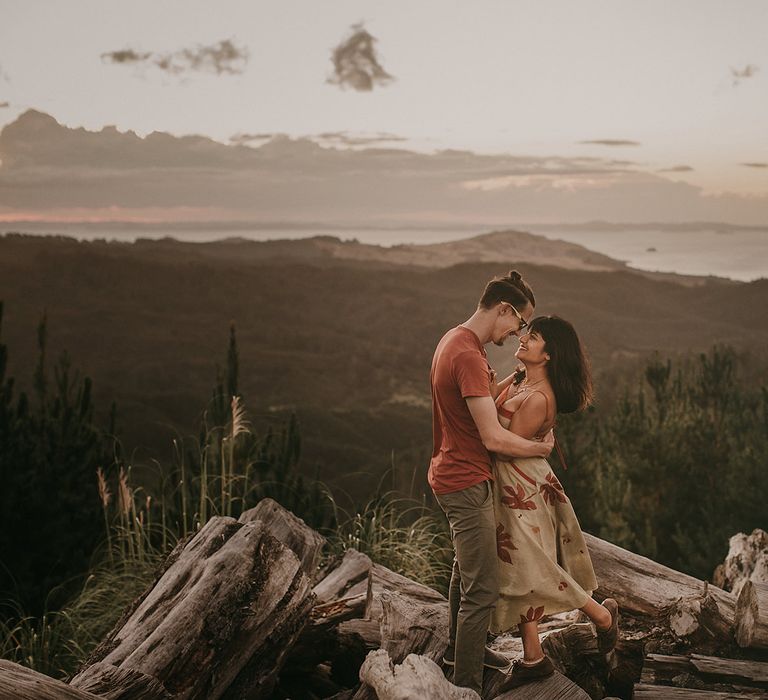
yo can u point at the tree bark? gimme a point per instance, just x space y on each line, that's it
644 587
293 532
700 622
747 560
22 683
752 616
665 692
219 622
660 668
113 683
410 627
416 677
556 687
353 569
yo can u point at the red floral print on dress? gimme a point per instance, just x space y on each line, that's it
562 586
532 615
517 498
504 544
552 490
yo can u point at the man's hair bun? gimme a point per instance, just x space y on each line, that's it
512 288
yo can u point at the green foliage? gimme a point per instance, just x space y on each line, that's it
402 534
677 467
41 643
48 447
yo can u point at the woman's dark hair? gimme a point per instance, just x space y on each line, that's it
511 288
568 367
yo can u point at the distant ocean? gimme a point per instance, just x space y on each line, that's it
733 253
739 255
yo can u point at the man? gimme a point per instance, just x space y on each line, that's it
465 429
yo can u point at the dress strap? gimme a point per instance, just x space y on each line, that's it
502 397
560 454
537 391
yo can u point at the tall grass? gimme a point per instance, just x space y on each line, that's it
224 471
403 534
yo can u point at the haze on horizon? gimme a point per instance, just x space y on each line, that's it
444 112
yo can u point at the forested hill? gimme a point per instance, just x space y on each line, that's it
346 340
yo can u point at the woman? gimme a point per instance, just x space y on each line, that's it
544 565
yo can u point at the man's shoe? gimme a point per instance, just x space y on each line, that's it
492 659
523 673
606 639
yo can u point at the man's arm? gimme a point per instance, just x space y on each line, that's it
497 439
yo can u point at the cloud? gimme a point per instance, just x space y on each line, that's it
755 165
51 171
611 142
243 139
220 58
355 63
125 56
737 75
676 169
347 139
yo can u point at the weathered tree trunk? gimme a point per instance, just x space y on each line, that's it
644 587
700 621
410 627
380 581
353 569
556 687
419 677
747 560
220 620
665 692
383 579
416 677
113 683
338 636
659 668
22 683
752 616
573 650
293 532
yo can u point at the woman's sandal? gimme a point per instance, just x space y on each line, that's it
607 638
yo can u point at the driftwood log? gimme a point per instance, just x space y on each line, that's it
752 616
664 669
420 678
242 610
663 692
645 587
556 687
700 621
354 568
231 591
747 560
410 627
22 683
285 527
416 677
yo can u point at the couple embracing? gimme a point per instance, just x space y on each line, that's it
519 551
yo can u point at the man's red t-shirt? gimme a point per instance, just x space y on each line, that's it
459 370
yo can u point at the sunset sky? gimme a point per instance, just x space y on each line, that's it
563 111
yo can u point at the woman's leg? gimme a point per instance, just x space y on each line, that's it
532 651
600 615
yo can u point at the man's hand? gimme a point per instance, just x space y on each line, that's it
495 389
549 441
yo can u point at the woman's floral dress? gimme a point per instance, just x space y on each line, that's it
544 565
